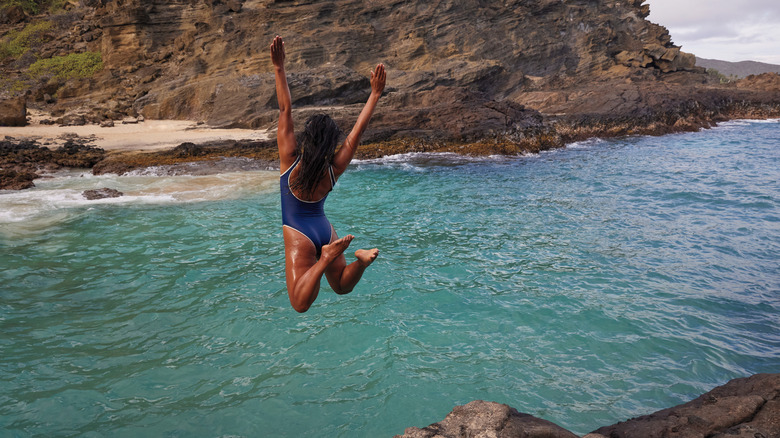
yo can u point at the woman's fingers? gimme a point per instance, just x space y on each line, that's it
277 50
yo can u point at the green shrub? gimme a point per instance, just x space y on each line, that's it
29 6
720 77
17 43
75 65
34 7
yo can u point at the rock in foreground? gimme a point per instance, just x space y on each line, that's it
489 419
746 408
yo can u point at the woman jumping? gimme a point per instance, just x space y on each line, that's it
310 168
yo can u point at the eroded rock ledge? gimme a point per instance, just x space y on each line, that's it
745 408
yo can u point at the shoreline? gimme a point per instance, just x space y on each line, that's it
30 152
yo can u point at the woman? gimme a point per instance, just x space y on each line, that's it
310 168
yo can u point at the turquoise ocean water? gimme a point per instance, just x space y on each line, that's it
585 286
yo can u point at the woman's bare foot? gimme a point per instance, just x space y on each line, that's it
366 256
334 249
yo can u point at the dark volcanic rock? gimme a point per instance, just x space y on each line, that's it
488 419
745 408
20 160
103 193
748 407
13 179
13 112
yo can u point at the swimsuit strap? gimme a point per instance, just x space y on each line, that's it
332 177
297 160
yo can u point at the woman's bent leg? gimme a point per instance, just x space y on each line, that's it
302 269
342 277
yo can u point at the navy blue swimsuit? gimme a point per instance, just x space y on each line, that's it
305 217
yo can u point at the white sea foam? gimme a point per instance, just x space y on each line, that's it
60 197
746 122
414 160
585 144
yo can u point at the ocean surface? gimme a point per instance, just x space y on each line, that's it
585 286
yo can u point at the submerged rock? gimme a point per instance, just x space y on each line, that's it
103 193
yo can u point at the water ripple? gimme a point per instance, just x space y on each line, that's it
584 286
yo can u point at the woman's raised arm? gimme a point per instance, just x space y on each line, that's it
285 135
347 151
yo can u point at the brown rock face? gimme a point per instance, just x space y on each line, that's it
215 65
13 112
457 70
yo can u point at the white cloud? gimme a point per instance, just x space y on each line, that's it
728 30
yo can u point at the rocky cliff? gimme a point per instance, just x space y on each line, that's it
459 70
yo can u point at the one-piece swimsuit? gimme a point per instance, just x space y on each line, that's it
305 217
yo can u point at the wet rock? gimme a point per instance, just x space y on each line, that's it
488 419
742 407
13 112
103 193
13 179
746 408
188 150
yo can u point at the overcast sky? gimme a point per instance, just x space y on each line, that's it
731 30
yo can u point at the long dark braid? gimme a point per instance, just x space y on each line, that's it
316 146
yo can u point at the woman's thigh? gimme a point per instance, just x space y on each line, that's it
299 255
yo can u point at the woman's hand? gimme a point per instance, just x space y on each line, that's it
277 52
378 77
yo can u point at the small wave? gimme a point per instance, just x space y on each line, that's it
585 144
201 168
746 122
415 160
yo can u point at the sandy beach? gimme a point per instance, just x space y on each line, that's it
145 136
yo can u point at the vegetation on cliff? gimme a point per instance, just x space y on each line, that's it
18 43
34 6
75 65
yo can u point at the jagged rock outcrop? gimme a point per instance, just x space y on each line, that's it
746 408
